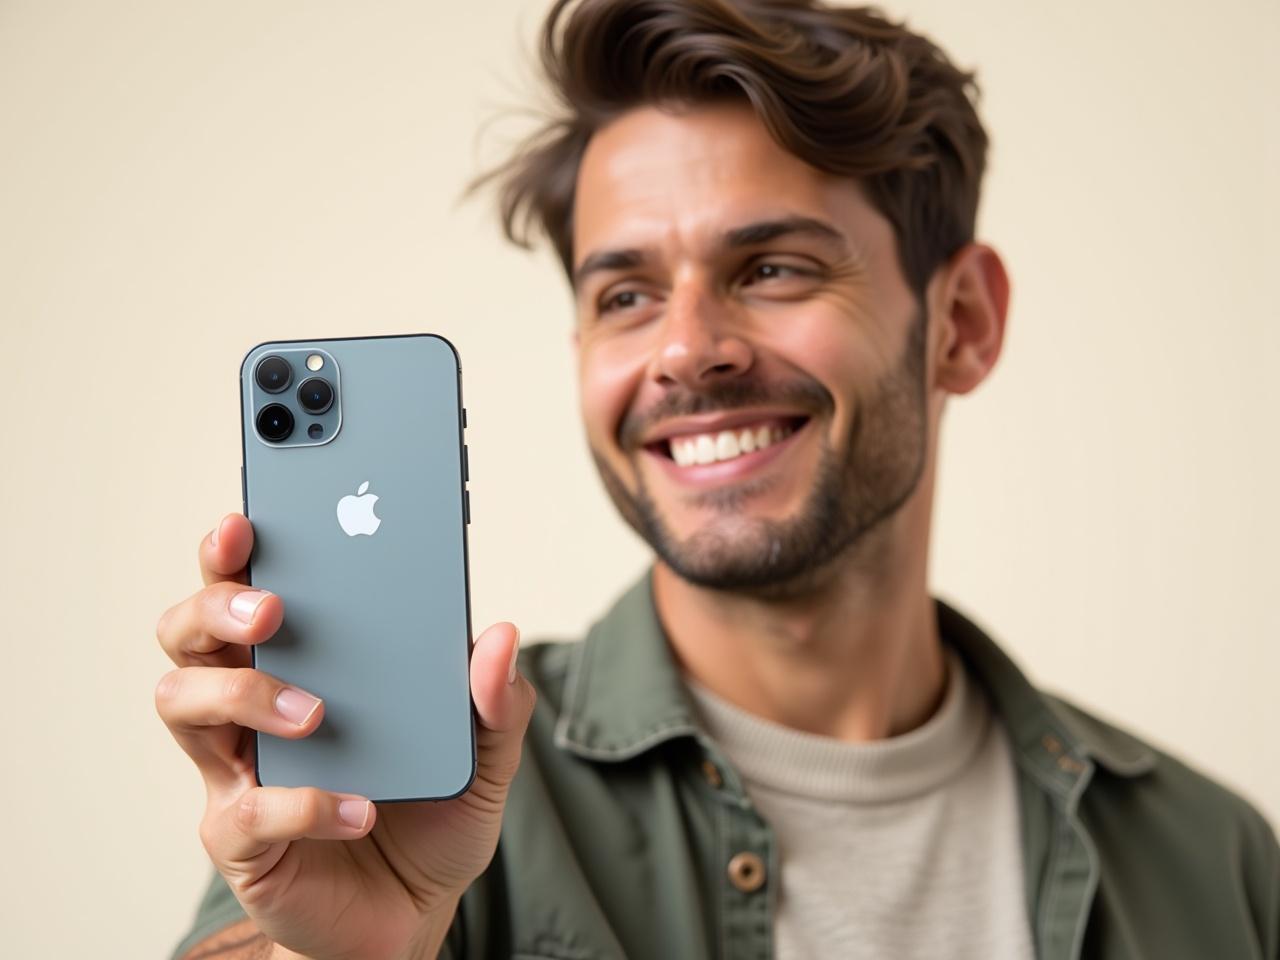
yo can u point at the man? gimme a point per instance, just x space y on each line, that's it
777 742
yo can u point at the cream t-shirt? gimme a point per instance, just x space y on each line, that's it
896 849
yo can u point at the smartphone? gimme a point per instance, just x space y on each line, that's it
354 476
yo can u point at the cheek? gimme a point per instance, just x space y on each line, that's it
610 373
838 345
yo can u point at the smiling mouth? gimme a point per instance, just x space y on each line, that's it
700 449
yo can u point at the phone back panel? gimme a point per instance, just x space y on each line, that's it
376 624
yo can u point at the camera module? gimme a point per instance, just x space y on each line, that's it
316 395
275 422
273 374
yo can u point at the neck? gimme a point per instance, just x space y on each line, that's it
856 656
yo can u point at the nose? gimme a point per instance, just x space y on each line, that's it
698 342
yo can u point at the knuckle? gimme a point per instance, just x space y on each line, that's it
167 691
162 626
212 603
500 774
240 685
250 811
309 805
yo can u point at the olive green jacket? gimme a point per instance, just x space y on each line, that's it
627 834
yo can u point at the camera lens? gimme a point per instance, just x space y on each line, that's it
315 395
273 374
275 422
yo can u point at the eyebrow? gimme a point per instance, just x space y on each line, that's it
751 234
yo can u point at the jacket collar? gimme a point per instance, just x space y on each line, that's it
624 695
1053 739
623 692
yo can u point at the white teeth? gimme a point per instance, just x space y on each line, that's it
688 451
706 449
726 446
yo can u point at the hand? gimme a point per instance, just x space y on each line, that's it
327 875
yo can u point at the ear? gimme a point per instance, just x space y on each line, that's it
972 302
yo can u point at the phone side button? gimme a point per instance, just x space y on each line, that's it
466 505
244 493
466 465
464 418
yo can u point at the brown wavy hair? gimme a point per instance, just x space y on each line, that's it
847 90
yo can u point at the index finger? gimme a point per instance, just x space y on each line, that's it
224 552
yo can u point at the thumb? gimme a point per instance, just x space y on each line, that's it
504 703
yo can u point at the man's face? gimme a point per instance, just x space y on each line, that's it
751 358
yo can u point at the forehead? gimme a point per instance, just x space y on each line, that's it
656 177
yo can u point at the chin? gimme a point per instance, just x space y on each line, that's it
733 552
736 533
739 507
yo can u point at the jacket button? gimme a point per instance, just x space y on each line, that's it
746 872
712 774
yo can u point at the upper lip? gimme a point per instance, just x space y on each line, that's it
715 423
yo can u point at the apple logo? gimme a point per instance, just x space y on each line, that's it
355 513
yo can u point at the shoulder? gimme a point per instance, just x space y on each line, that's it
1173 845
1151 768
1170 802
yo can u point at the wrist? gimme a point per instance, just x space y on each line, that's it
434 927
424 943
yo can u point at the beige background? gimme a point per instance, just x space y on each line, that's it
179 181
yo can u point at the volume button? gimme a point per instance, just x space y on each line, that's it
466 505
244 494
466 465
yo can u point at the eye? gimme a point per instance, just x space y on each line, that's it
770 270
622 300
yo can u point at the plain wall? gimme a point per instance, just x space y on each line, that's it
179 181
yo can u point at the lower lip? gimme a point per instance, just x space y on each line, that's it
728 471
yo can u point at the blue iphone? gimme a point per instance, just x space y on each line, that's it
355 473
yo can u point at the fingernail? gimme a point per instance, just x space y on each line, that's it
295 706
213 536
245 604
354 813
515 652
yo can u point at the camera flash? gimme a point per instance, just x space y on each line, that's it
315 362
